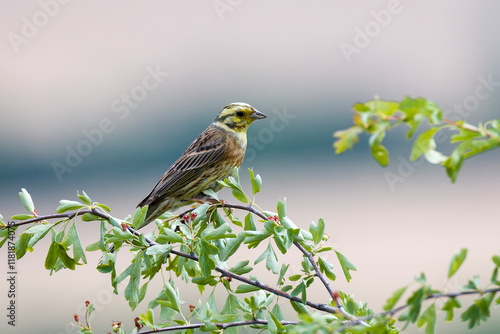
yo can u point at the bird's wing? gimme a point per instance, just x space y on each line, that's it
204 151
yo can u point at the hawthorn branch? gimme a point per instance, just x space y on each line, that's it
392 312
219 325
258 284
70 215
309 257
320 307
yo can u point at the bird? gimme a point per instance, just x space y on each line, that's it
210 158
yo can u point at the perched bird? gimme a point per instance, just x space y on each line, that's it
210 158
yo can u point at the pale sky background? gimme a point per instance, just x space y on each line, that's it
68 76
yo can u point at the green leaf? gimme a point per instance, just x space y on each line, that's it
428 317
449 306
457 261
496 260
415 304
22 244
167 235
172 297
346 138
22 217
27 201
273 323
346 266
254 238
300 290
52 256
426 145
477 312
249 223
65 258
385 108
84 197
208 248
206 265
326 268
272 261
88 217
256 181
298 307
281 208
473 284
283 270
159 249
72 238
104 206
317 231
244 288
211 193
139 217
65 205
132 290
389 304
241 268
219 233
231 247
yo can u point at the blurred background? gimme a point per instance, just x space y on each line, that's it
104 96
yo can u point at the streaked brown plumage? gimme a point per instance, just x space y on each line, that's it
210 158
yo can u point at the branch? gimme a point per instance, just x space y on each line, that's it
392 312
60 215
320 307
219 325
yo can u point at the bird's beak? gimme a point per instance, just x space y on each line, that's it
257 115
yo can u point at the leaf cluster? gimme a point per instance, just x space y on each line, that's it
376 117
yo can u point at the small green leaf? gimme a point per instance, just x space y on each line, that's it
298 307
428 318
346 138
317 231
473 284
139 217
496 260
231 247
52 256
239 195
256 181
449 306
241 268
426 145
219 233
457 261
415 304
27 201
84 197
346 265
159 249
211 193
389 304
22 217
250 223
65 205
326 268
283 270
167 235
244 288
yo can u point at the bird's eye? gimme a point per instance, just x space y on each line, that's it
240 114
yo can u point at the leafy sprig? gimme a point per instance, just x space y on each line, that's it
376 117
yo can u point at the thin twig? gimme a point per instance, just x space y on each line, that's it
392 312
219 325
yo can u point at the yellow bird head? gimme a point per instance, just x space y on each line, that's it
236 117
